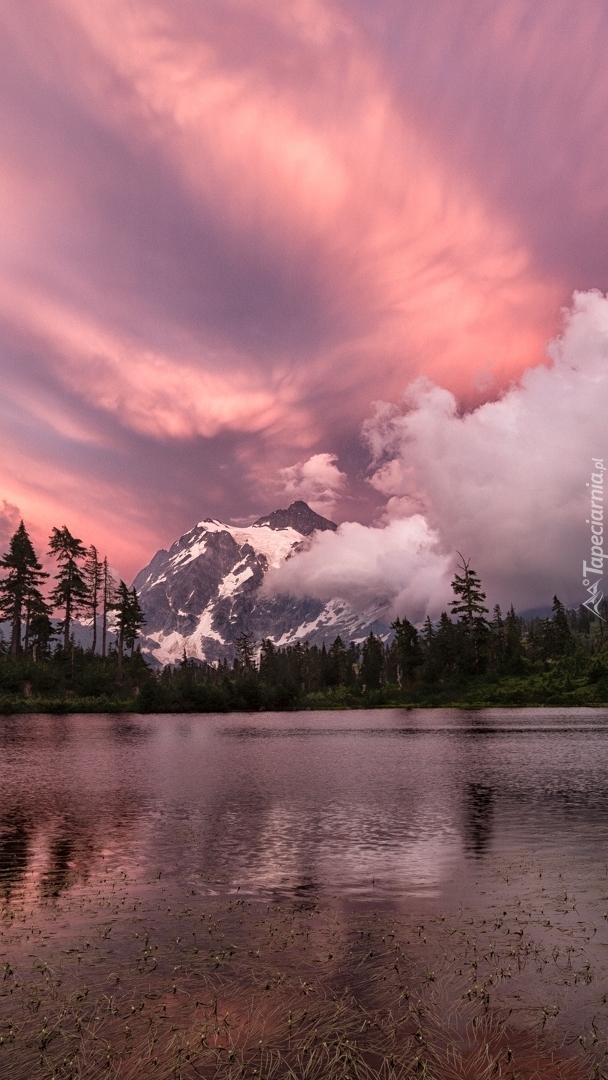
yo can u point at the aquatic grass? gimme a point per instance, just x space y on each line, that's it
282 991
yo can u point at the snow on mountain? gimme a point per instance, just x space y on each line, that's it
203 593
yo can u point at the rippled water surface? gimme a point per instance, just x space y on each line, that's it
489 826
406 806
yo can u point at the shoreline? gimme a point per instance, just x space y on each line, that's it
51 707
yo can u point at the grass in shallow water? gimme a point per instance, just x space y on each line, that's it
242 990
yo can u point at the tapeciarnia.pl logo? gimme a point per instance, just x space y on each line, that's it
596 521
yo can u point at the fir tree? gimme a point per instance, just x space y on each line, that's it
130 620
41 633
244 652
470 608
337 661
108 595
372 663
71 592
444 650
497 638
558 636
513 657
38 628
19 590
269 662
405 651
93 575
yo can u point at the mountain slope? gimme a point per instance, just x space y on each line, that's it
203 593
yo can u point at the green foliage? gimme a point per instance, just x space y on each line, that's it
372 663
562 660
20 595
469 606
129 617
71 592
93 573
405 654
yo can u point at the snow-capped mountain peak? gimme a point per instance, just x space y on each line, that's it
203 593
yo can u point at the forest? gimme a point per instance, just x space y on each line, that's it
468 658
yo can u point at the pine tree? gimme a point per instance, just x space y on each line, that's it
372 663
470 608
136 621
337 662
108 596
497 638
71 592
93 575
129 618
38 628
244 652
19 590
558 635
514 648
41 632
405 650
444 652
269 662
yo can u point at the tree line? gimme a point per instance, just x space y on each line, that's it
538 659
466 655
83 587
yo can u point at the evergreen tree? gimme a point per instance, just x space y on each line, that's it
443 650
559 640
38 629
41 633
513 657
372 663
337 662
353 655
497 638
19 590
71 592
428 633
470 609
244 652
136 621
406 652
269 662
108 596
93 575
130 620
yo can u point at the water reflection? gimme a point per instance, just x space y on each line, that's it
361 804
126 841
15 833
479 812
56 877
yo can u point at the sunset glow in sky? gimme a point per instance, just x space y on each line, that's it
229 228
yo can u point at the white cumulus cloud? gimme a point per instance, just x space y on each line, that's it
398 563
505 484
318 481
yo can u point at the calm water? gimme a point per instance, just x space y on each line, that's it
489 826
406 807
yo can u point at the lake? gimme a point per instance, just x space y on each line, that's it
305 868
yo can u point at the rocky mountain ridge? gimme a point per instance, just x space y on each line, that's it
203 593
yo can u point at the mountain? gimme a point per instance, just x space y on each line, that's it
203 593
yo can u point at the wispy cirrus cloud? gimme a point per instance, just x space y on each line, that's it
231 226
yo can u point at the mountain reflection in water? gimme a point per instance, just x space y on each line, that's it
112 828
370 805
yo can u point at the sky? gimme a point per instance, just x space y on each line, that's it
350 252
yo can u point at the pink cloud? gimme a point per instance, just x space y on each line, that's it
507 484
318 481
231 226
